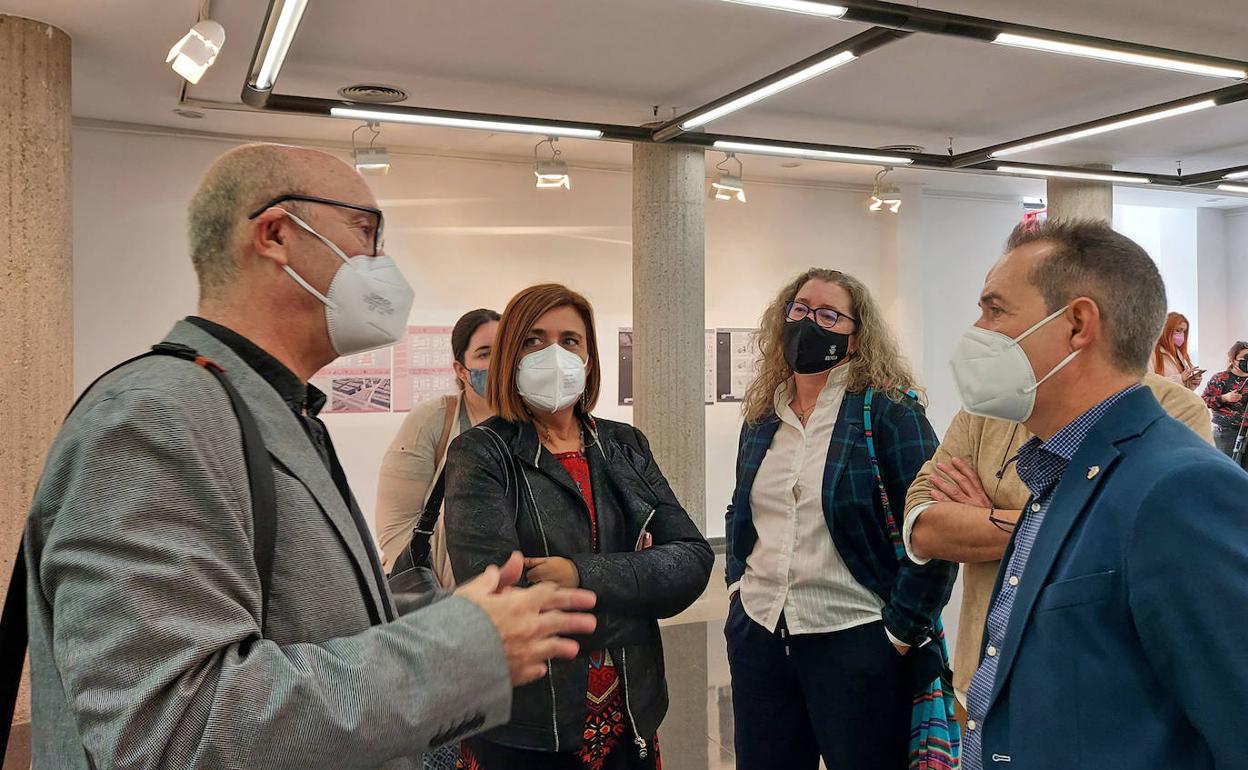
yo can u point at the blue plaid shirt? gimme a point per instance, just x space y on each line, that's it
1041 465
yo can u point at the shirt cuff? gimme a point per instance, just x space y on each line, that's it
734 588
894 639
908 526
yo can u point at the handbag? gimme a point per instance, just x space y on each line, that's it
14 631
935 735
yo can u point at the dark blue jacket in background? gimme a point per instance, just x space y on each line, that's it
913 595
1128 645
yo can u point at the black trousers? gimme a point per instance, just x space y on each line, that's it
1224 438
843 696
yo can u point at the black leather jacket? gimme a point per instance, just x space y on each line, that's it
505 493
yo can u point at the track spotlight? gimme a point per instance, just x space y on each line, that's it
727 186
1237 175
197 50
372 160
552 172
885 196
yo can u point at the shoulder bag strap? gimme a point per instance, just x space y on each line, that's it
14 630
894 531
418 547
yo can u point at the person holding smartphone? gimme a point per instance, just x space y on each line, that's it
1226 396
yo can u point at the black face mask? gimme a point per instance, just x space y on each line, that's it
1241 364
811 349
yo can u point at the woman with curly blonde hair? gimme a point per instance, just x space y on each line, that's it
828 628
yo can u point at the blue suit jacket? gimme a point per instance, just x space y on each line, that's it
913 595
1128 644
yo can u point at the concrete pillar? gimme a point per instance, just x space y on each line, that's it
1080 199
669 314
36 288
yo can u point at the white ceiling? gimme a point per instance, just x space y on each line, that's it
614 60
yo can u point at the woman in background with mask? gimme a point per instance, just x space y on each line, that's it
584 501
418 451
832 631
1226 395
1170 357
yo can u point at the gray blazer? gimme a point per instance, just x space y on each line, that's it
145 600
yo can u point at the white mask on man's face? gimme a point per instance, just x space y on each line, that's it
368 301
994 376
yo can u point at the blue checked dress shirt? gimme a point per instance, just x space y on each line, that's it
1041 465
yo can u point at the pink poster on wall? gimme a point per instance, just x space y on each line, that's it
422 366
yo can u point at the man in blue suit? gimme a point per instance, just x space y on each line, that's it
1116 636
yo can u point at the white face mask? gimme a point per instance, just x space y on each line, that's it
551 379
994 375
368 302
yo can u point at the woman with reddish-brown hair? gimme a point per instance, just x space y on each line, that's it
1170 356
585 502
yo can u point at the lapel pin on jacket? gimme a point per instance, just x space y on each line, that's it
1095 469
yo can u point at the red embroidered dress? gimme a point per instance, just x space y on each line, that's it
604 700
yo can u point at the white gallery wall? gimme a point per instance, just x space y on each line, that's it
1235 297
470 233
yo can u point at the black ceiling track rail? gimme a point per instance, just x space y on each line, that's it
891 22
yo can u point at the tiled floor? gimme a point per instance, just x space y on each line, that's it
697 734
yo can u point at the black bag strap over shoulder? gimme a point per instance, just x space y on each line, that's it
14 630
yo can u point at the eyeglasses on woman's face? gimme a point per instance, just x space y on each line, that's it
826 317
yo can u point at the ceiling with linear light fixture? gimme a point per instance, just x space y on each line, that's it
612 61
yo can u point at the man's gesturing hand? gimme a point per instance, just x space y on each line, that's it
530 621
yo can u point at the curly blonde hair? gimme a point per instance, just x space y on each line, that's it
876 363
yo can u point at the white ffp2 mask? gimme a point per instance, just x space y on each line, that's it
994 375
551 379
368 301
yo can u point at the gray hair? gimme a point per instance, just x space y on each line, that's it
1092 260
240 181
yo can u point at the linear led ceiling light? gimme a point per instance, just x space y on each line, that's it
803 152
1088 175
771 89
283 34
808 7
1115 55
420 119
1236 188
1237 175
1105 128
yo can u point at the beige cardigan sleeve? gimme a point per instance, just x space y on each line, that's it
407 469
1182 404
958 441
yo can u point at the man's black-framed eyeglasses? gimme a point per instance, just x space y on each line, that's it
378 218
825 317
